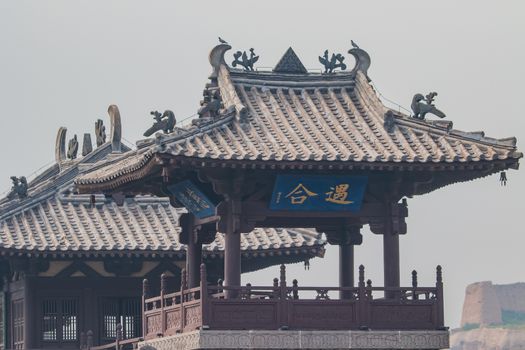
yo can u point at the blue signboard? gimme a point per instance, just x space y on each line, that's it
318 193
193 199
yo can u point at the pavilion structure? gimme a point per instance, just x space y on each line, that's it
72 265
293 148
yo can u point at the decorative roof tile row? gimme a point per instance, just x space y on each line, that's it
332 124
72 224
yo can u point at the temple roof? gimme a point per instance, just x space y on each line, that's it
54 221
296 118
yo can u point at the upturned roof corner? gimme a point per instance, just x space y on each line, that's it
216 58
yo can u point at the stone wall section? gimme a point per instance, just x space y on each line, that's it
511 296
481 305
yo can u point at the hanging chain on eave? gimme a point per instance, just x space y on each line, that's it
503 178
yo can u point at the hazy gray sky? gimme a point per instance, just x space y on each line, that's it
63 62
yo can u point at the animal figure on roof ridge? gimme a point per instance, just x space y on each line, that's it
72 148
100 132
336 61
19 187
420 109
246 62
211 104
163 122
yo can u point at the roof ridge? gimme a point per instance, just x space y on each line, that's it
476 136
40 189
228 94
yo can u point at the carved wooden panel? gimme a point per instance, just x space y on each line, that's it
328 315
172 320
244 315
402 316
154 324
192 316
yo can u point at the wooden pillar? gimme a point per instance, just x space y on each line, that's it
390 253
90 307
193 249
391 259
346 269
232 262
29 313
232 248
346 237
193 260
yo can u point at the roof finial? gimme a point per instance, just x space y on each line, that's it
290 64
100 132
217 58
116 128
72 148
60 145
19 187
222 41
336 61
87 147
246 62
163 121
362 59
420 109
211 104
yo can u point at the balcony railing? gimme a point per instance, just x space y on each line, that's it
283 306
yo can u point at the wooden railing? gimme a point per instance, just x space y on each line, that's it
283 306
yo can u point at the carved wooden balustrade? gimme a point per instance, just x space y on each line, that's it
283 306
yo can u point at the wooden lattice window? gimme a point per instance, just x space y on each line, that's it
17 316
127 312
50 320
59 319
69 319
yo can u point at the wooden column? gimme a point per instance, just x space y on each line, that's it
391 259
90 307
232 262
346 237
232 248
346 269
193 261
193 249
29 312
390 252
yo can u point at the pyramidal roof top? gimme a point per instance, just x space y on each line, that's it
290 63
295 118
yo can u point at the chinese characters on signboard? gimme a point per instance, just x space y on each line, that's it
318 193
193 199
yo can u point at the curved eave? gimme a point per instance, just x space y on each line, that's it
153 168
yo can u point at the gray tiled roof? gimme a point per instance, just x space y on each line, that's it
310 118
53 220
